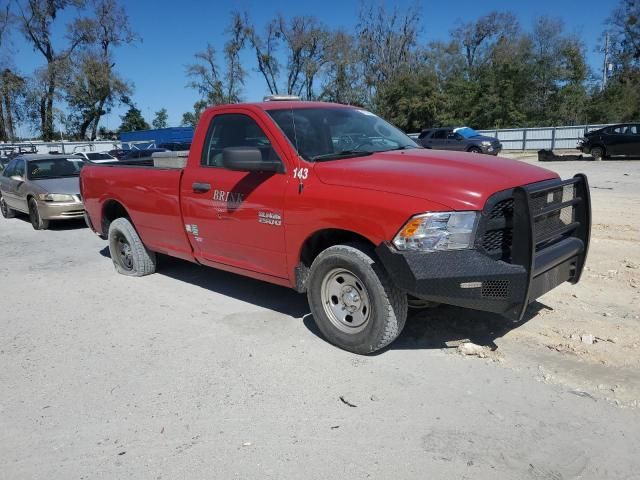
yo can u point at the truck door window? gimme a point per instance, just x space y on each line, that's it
235 130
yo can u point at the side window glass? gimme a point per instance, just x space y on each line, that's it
235 130
440 134
8 172
19 168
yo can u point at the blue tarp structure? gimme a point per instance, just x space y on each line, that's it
157 136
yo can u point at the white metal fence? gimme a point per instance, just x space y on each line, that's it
63 147
564 137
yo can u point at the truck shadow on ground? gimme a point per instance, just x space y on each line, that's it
263 294
447 326
433 328
56 225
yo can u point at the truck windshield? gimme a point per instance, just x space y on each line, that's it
331 133
54 168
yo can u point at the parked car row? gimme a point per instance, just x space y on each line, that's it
46 186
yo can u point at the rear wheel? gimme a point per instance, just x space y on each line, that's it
474 150
7 212
597 153
130 256
353 301
37 222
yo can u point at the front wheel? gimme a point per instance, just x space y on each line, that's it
474 150
7 212
353 301
35 218
597 153
130 256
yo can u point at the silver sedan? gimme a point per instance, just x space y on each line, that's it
46 187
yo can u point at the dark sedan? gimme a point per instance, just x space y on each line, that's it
463 139
621 139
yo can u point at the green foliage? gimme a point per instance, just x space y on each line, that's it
161 119
133 121
411 101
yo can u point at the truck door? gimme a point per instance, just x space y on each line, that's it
236 218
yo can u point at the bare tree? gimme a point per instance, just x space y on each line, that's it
36 19
304 39
624 27
218 86
206 77
342 71
235 74
265 48
111 29
387 42
477 38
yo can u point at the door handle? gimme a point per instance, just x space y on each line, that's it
201 187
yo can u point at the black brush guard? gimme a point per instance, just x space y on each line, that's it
548 230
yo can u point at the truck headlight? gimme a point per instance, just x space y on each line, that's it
438 231
486 143
56 197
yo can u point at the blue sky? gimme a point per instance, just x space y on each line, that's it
172 31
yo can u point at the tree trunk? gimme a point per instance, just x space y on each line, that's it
10 128
84 126
3 134
47 121
98 115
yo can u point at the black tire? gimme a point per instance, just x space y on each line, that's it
7 212
35 218
597 153
474 150
130 256
386 305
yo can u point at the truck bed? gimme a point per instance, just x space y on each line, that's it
152 198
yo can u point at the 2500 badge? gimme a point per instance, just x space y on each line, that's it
270 218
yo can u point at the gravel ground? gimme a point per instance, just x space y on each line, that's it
195 373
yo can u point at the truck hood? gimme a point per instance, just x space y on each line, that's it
68 185
460 181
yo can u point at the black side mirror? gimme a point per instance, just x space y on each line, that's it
248 159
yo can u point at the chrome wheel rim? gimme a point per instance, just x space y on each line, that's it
124 252
345 300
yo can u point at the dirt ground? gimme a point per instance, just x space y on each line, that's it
196 373
605 304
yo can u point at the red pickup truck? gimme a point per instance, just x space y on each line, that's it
333 201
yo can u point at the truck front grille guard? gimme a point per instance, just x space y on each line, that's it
529 225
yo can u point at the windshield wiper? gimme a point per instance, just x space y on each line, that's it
342 154
403 147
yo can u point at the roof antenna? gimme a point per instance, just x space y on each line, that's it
295 139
